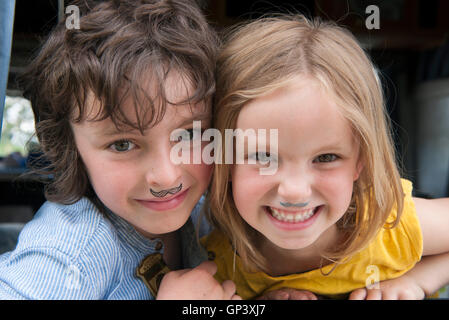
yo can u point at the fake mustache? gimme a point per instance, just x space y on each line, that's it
163 193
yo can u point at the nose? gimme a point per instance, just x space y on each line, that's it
295 186
162 173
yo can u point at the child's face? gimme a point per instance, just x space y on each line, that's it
317 165
123 166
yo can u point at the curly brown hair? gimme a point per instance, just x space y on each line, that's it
118 43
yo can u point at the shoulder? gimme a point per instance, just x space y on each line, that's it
66 251
401 246
408 210
409 223
69 228
425 222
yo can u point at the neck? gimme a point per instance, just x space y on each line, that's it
283 261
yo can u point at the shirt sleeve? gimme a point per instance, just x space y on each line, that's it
397 249
409 222
65 252
42 273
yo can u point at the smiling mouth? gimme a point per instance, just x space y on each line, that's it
292 216
165 204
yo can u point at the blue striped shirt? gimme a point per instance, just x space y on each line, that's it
76 252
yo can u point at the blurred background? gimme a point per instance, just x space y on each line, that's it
409 45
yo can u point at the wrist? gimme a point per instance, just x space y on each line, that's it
431 273
420 276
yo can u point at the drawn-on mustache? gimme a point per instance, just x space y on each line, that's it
163 193
288 204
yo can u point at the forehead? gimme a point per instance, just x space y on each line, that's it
146 104
303 113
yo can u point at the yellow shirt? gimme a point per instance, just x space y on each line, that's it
390 254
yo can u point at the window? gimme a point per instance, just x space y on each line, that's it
18 126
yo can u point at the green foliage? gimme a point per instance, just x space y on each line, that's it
18 126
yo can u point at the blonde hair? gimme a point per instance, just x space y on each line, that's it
263 55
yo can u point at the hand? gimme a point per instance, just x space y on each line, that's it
288 294
402 288
196 284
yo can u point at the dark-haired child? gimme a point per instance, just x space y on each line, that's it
106 98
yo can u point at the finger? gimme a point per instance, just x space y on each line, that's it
389 295
228 288
208 266
374 294
236 297
302 295
358 294
280 294
178 272
311 295
408 295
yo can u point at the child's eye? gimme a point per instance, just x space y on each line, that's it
188 134
329 157
122 146
262 157
191 133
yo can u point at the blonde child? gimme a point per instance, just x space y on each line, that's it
106 98
334 217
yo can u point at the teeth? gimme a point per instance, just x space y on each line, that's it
291 216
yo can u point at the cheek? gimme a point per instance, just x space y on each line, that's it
337 187
118 182
201 173
248 189
110 181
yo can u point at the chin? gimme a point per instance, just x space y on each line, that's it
292 244
163 229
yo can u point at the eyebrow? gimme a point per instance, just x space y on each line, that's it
335 147
259 145
112 131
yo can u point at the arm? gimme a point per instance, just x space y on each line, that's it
431 273
428 275
433 216
43 273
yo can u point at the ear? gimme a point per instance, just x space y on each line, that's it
358 169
